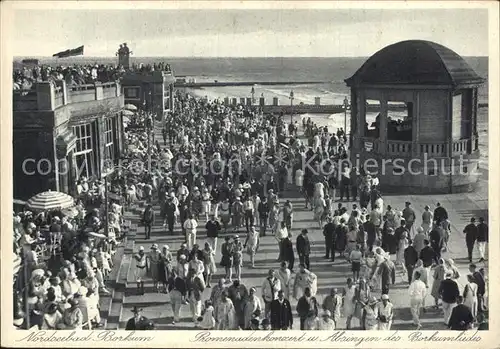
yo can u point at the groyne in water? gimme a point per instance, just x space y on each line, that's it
182 84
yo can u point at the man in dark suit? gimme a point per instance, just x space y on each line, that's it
169 211
304 248
436 241
288 255
449 292
461 318
428 256
281 313
411 257
138 322
440 213
148 219
329 234
471 233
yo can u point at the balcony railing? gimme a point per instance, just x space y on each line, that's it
407 148
398 148
49 96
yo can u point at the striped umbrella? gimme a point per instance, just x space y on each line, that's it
50 200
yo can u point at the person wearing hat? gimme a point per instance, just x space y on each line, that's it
264 210
153 263
141 269
449 293
170 210
303 248
326 323
333 304
52 317
190 226
148 218
72 317
137 322
385 313
237 213
213 229
254 324
265 324
370 317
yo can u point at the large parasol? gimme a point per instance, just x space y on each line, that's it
130 107
50 200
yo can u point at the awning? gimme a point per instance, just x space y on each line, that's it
65 142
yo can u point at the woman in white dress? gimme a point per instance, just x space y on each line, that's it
226 314
319 210
470 295
206 203
285 277
252 308
252 244
209 262
402 245
208 321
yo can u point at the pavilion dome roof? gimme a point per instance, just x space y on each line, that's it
415 62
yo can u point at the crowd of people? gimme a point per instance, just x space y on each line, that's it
66 256
25 77
224 170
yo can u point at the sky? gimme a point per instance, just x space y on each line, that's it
246 33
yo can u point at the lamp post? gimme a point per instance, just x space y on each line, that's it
346 105
107 172
291 105
253 95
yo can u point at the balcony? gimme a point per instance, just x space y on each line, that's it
46 96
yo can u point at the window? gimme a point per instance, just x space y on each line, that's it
109 151
132 92
84 151
399 121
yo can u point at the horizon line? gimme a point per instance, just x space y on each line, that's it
210 57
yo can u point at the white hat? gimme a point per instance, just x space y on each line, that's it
141 248
385 297
166 247
182 256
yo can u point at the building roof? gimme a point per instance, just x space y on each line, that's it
415 62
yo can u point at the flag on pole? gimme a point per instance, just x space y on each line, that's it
68 53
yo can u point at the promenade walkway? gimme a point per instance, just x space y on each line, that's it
156 306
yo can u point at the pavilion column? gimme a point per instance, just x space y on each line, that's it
415 132
383 126
449 125
361 117
473 126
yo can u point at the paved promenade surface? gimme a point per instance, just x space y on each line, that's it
157 306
